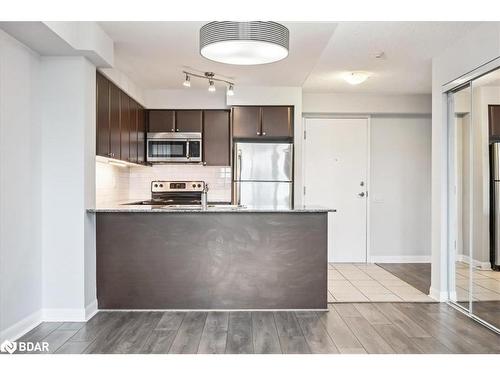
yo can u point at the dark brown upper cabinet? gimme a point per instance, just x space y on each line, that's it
141 135
125 126
216 138
189 121
161 121
102 119
246 122
276 122
133 130
272 122
114 121
494 122
120 123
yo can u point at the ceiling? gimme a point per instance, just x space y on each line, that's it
153 55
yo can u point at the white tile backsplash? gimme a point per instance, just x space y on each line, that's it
217 178
114 183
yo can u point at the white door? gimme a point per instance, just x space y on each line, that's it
336 164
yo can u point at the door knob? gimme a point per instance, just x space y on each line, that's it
362 194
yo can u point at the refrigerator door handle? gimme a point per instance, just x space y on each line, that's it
238 165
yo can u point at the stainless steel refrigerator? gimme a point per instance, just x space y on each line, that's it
263 175
495 168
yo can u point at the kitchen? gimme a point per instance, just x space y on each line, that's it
203 206
250 145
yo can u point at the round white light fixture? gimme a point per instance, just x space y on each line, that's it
355 78
244 43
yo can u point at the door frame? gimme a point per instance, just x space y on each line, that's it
336 116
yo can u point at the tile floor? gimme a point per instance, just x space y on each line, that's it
485 283
361 282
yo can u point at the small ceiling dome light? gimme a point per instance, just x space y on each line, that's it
244 43
187 81
230 90
355 78
211 86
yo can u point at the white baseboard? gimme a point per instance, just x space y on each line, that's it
475 263
22 327
438 295
63 315
91 310
400 259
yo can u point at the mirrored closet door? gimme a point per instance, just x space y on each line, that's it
474 191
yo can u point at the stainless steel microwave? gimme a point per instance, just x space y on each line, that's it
173 147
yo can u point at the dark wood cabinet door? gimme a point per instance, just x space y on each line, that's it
246 122
102 118
494 121
161 121
133 131
141 135
125 126
188 121
277 122
216 138
114 121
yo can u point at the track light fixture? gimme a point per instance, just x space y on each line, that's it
210 77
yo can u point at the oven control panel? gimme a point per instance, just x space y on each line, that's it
165 186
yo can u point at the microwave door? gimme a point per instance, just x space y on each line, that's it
163 150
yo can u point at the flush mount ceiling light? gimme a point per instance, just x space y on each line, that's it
244 43
211 78
355 78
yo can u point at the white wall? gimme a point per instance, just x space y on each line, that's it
126 84
399 194
185 98
68 149
365 103
477 48
20 199
400 188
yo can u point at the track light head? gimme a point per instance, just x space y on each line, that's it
187 81
211 86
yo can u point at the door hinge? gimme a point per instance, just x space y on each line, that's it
304 134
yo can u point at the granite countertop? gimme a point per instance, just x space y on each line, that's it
212 207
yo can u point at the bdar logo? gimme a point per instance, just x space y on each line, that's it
8 346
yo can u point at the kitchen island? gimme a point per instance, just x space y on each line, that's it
220 258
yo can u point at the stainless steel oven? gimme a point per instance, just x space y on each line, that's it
174 147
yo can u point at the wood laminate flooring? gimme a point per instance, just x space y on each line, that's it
345 328
417 275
